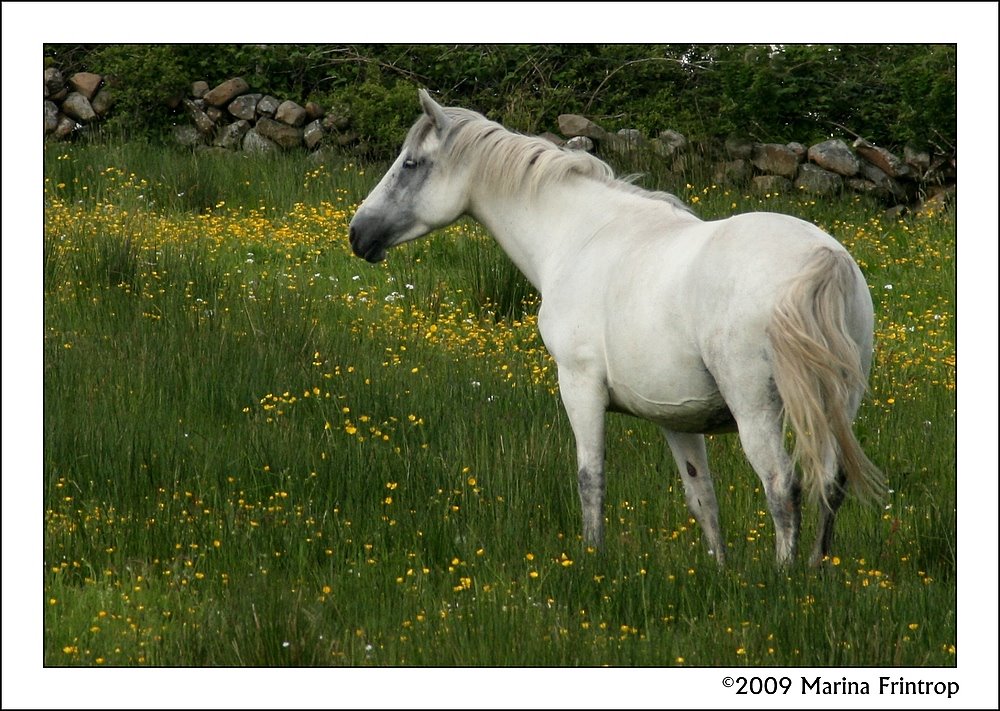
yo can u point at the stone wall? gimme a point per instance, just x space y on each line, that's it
227 116
824 169
74 103
233 117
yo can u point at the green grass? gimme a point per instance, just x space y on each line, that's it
260 450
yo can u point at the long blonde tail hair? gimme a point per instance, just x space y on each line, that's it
819 375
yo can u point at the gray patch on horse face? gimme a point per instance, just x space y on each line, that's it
772 390
412 178
692 472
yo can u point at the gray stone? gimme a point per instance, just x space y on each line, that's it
739 147
817 181
799 150
732 171
861 185
673 139
245 107
633 137
835 155
551 138
775 159
77 107
623 143
884 185
226 91
920 161
282 134
199 89
186 135
571 125
312 134
231 136
50 116
943 169
253 142
581 143
53 82
103 101
771 184
267 106
215 114
291 114
882 159
202 122
314 111
85 83
662 148
336 121
65 127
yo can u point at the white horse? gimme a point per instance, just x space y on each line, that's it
700 327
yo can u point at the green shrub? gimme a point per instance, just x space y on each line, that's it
893 94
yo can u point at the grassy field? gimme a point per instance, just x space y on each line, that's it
260 450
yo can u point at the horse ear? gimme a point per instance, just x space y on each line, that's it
434 112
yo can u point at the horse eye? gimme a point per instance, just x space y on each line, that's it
410 163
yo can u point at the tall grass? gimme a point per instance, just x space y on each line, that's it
259 450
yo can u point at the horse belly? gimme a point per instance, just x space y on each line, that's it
683 400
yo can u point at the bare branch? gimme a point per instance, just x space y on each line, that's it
617 69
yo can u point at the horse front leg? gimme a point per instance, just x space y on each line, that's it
692 463
585 400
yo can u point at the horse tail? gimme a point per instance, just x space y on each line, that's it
820 376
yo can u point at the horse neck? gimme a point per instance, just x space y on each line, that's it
541 228
509 222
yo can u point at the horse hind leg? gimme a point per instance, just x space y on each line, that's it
834 492
835 485
762 440
692 462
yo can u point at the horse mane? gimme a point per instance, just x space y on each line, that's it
626 185
511 161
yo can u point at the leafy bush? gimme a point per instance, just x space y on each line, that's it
892 94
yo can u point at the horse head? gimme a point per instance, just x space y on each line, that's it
420 192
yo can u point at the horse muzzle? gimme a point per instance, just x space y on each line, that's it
369 244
